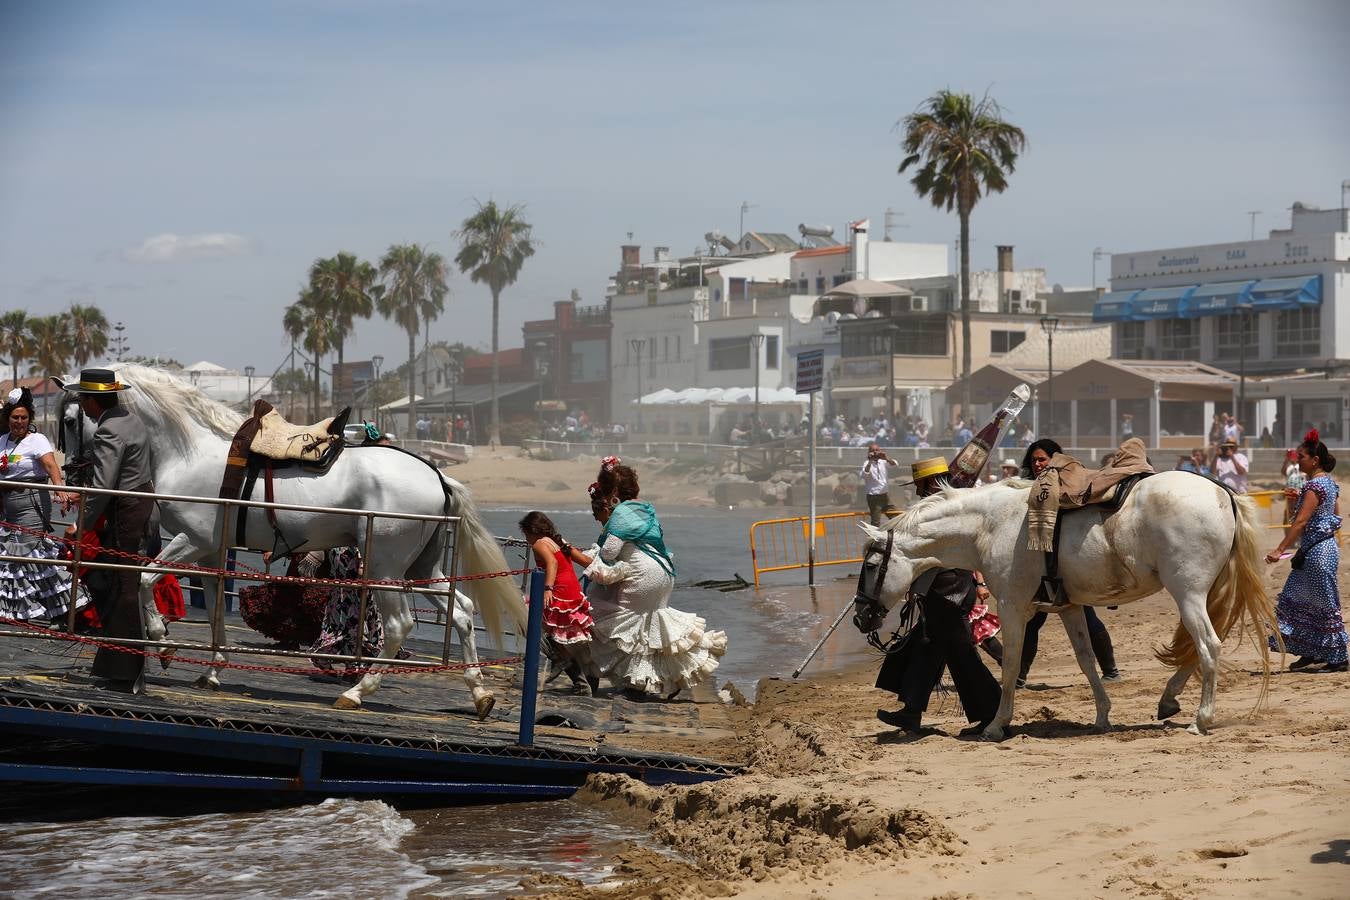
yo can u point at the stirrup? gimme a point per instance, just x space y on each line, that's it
1051 593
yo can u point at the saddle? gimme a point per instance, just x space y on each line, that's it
267 442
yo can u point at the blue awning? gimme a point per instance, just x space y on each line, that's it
1287 293
1159 303
1113 307
1217 298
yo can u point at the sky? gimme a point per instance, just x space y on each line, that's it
181 165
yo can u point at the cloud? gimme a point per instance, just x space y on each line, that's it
175 247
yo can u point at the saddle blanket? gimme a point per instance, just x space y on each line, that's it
1068 483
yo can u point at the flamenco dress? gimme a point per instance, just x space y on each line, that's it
1309 607
567 618
34 589
638 640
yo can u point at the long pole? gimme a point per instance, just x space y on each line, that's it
811 478
1242 368
821 643
534 633
756 341
1050 386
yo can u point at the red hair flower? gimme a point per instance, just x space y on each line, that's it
1312 437
609 463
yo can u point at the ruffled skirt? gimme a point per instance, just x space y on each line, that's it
657 652
568 621
34 589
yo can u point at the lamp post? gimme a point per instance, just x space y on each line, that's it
891 329
119 342
1050 324
756 342
454 405
248 373
637 345
1245 311
1097 253
376 361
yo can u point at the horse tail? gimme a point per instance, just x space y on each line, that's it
498 599
1237 599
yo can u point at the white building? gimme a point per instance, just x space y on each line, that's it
1274 307
228 386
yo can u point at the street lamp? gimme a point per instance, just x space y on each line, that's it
376 361
1097 253
756 341
891 329
637 345
1245 311
1050 324
248 373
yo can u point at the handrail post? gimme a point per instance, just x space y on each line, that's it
75 569
365 590
222 553
534 634
450 597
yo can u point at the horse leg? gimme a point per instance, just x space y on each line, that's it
1014 619
1075 625
398 623
1195 618
1167 704
483 700
211 678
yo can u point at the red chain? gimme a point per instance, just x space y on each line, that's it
285 670
279 579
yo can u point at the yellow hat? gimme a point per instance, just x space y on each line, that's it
927 468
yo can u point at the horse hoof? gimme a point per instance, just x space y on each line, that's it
346 701
484 706
1194 728
993 733
1167 709
166 659
207 682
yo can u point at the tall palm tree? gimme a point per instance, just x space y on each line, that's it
414 291
15 340
310 321
494 244
963 149
88 332
349 286
51 348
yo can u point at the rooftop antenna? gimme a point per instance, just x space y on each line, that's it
746 206
1253 213
891 216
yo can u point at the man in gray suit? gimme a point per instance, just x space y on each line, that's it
121 461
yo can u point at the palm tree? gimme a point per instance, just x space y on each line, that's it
310 321
494 244
51 347
963 150
15 339
414 291
349 287
88 332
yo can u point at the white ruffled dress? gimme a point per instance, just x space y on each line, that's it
637 640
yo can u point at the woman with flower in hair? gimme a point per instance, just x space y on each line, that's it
638 641
35 589
1309 607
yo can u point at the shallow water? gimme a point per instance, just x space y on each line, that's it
82 842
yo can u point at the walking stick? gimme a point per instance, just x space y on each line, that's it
821 643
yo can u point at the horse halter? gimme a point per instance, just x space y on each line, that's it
869 611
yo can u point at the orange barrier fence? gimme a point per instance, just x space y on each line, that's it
777 545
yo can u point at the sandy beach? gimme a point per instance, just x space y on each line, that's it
836 804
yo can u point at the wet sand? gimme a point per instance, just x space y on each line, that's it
837 804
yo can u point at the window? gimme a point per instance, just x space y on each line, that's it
921 336
1130 337
587 361
665 348
728 353
820 284
1003 341
771 351
651 357
677 348
1228 337
804 285
1179 339
1298 332
840 279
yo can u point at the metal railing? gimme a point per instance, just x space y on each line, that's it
779 545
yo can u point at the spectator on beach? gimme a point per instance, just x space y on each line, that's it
1267 439
1216 429
1230 466
1126 426
1197 462
876 475
1008 469
1309 607
1232 431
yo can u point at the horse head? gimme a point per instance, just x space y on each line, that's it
885 578
75 438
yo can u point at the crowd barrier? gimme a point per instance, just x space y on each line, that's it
779 545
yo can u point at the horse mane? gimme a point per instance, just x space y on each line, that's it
175 404
928 507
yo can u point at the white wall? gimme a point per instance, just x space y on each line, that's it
670 328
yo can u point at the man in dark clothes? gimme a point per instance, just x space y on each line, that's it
941 638
121 461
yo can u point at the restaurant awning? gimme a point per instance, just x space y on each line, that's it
1286 293
1159 303
1113 307
1216 299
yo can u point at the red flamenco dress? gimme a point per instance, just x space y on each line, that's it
567 618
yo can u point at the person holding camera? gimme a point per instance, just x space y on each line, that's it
876 473
1230 466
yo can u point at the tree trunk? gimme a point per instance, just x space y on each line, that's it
965 314
338 398
426 356
412 386
495 428
315 415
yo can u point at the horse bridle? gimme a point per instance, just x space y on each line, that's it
77 465
870 612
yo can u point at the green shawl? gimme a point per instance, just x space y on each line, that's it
635 522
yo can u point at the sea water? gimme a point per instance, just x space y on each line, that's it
76 841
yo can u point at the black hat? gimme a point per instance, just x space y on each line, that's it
94 381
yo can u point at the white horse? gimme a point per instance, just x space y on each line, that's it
190 436
1175 531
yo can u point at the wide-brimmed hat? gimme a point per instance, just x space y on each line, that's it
93 381
928 468
1228 442
1010 463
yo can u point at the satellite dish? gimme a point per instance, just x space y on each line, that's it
1057 289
